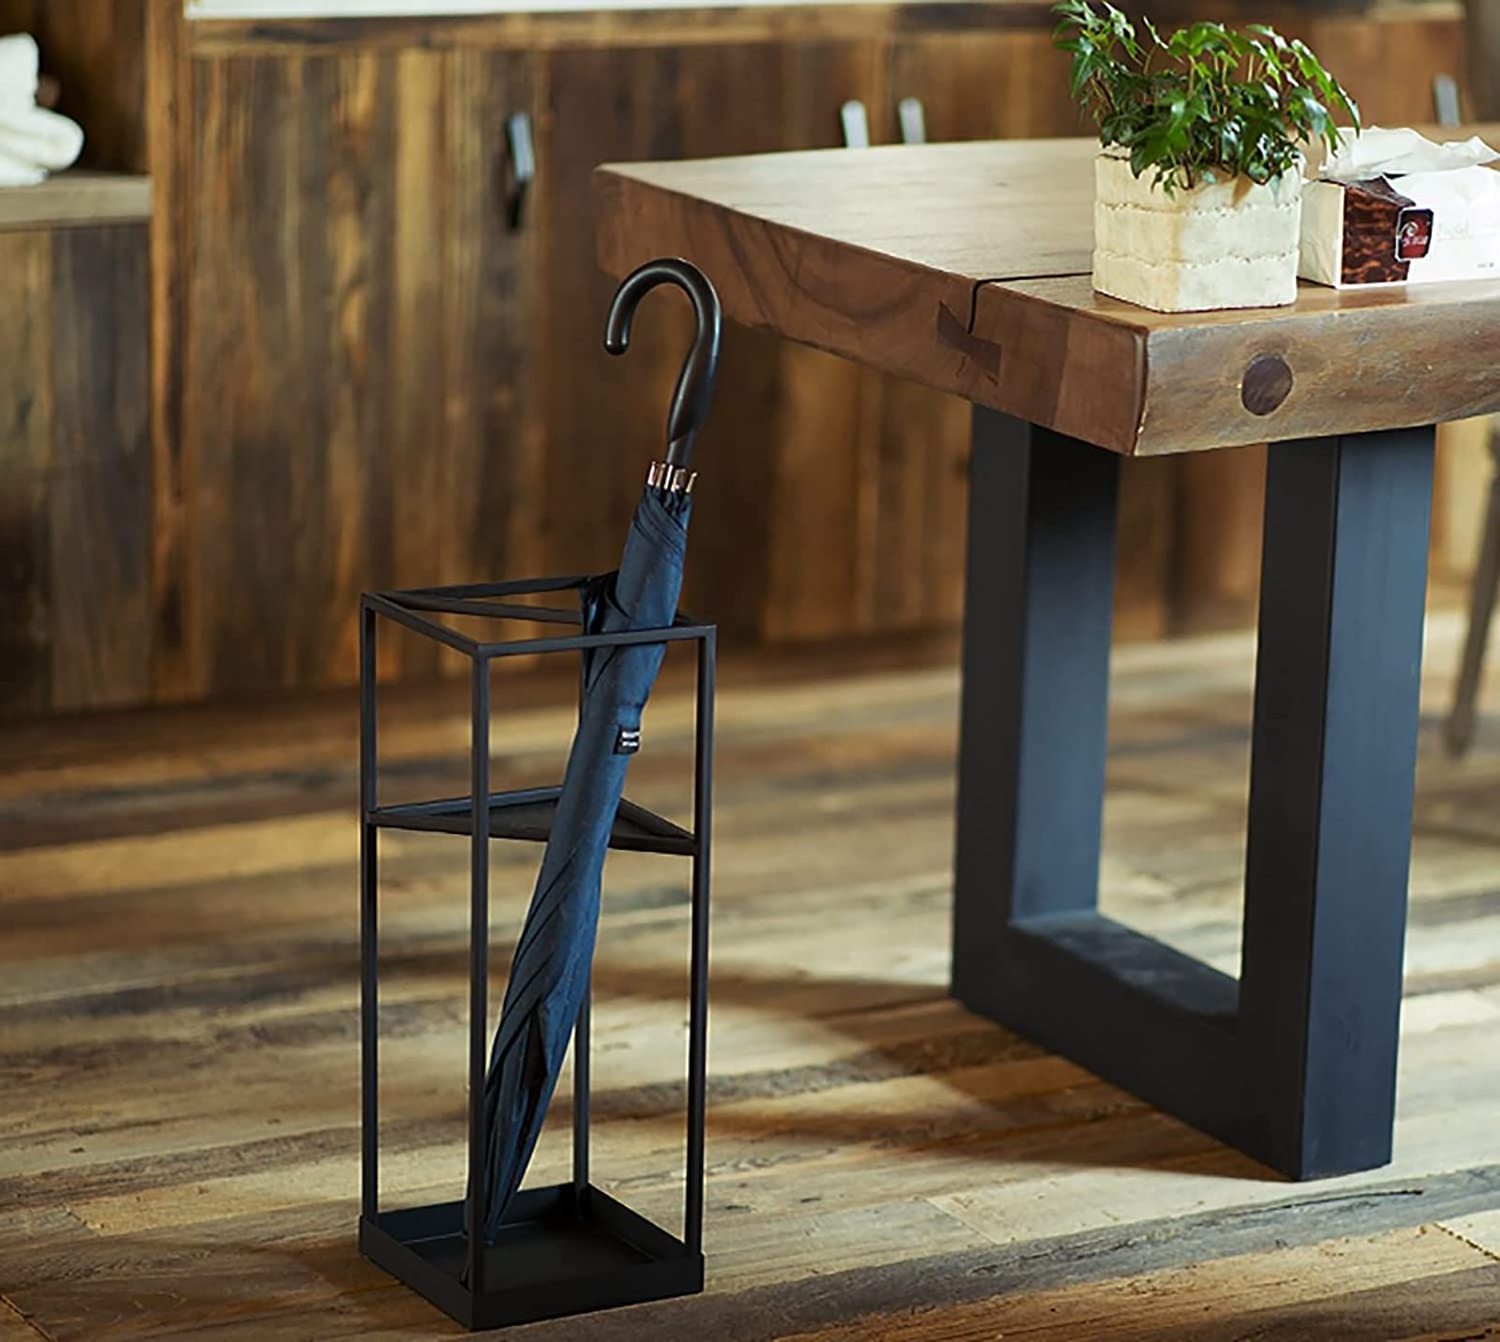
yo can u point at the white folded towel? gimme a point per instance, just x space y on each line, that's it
33 140
20 62
15 172
43 138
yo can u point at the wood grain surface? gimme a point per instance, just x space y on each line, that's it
99 495
26 412
178 1150
1142 382
75 469
966 267
552 29
76 197
836 499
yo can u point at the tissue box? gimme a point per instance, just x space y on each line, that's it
1412 228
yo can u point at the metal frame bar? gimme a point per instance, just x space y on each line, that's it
479 967
677 633
1295 1062
692 1219
673 1266
369 944
584 1025
514 587
489 610
411 607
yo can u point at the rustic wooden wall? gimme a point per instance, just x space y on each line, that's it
362 376
75 472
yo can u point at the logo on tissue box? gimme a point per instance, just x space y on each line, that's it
1413 234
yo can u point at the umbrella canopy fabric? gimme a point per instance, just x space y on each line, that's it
550 968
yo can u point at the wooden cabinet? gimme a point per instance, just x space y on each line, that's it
364 376
360 390
774 540
1007 84
75 467
784 542
386 384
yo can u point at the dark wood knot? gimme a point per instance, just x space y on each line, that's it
1265 385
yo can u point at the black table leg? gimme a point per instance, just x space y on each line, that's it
1295 1062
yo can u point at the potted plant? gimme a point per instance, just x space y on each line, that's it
1198 184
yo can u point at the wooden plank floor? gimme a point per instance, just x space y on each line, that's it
178 1054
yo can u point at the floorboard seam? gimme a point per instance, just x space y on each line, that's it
26 1319
1464 1239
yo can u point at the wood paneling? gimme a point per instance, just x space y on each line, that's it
491 317
25 459
357 411
825 529
1215 561
547 29
1387 59
169 152
775 551
100 490
552 30
986 85
360 375
244 420
75 469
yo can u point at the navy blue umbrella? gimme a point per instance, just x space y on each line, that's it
549 972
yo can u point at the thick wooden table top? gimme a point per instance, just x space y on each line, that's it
966 266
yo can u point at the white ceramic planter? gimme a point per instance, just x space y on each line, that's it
1219 245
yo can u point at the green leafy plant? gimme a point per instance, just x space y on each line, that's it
1207 103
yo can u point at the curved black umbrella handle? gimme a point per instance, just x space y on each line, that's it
695 384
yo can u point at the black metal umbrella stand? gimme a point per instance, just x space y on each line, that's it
501 1254
570 1248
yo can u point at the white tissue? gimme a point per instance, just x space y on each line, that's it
1450 179
1392 153
1465 205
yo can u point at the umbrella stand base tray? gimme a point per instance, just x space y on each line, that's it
563 1251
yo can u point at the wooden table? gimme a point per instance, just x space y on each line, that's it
965 267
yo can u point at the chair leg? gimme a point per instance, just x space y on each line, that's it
1459 731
